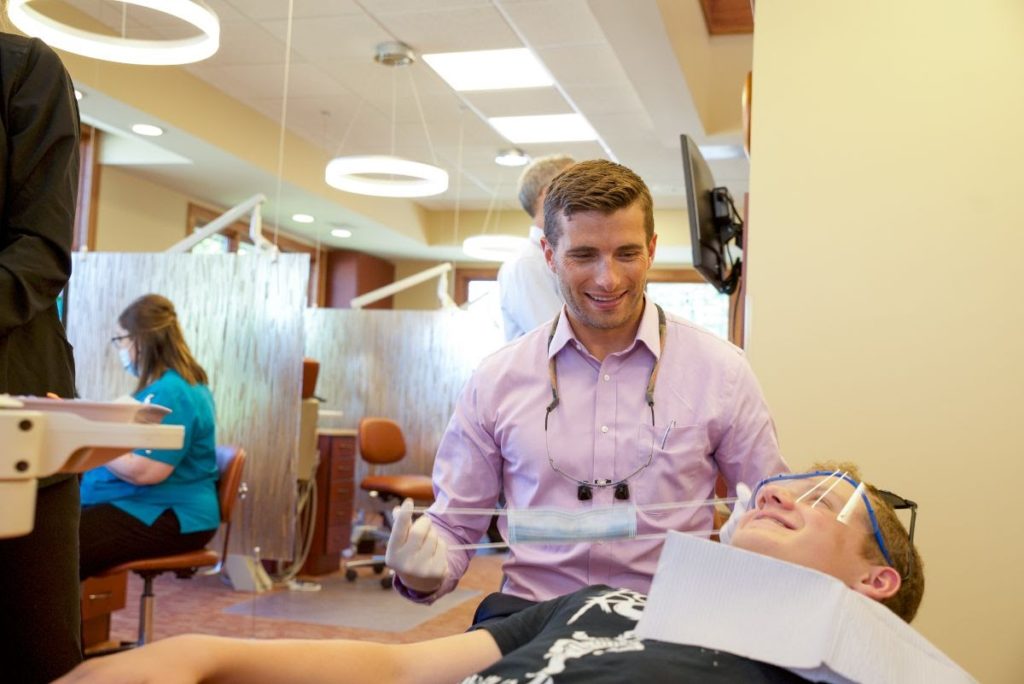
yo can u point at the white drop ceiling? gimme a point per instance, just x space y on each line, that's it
612 61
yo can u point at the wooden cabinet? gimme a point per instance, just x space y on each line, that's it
101 596
335 501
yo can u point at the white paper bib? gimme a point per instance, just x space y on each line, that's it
728 599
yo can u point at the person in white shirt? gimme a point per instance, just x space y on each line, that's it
528 289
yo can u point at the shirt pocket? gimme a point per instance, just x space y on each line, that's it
676 466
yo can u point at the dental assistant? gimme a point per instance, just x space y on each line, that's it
155 502
616 403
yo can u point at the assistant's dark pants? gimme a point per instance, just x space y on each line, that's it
109 537
40 625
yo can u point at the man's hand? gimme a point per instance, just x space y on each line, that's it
415 551
738 509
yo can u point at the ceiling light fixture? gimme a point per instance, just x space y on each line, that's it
512 156
490 69
148 130
121 49
388 175
493 247
341 233
544 128
302 218
404 178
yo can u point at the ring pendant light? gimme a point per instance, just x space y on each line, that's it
126 50
387 175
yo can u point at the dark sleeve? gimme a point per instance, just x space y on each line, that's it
521 628
40 122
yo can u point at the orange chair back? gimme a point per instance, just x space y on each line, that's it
230 463
381 441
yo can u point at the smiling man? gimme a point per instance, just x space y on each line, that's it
590 635
614 403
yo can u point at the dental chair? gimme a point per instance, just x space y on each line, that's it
230 463
380 442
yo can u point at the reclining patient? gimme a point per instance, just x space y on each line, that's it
587 636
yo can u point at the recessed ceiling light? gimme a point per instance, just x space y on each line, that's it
512 156
341 233
544 128
302 218
78 94
147 129
490 69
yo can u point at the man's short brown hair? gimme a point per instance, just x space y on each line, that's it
595 185
905 558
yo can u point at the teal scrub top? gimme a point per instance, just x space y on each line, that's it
191 489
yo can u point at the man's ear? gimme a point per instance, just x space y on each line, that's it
879 582
549 253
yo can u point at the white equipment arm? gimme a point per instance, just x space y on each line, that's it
41 443
226 219
399 285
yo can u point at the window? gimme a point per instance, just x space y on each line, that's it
682 292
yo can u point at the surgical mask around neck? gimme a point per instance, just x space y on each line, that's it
561 526
126 361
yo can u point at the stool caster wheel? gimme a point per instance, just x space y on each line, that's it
386 582
351 575
378 568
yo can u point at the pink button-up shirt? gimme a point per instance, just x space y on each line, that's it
710 416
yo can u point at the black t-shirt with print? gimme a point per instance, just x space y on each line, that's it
589 637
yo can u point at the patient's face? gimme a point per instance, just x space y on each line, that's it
783 525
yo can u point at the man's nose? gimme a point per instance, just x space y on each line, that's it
609 274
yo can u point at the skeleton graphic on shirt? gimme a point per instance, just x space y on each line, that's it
623 602
628 604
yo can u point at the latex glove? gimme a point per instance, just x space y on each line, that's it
738 509
416 551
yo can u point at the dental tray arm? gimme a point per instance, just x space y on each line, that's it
40 443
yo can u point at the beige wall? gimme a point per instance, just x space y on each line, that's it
135 215
424 295
884 241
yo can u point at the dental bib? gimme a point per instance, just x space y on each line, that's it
727 599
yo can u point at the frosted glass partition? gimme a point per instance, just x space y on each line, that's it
406 365
242 317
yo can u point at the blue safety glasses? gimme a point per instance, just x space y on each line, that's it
824 488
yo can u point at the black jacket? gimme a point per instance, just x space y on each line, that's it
39 163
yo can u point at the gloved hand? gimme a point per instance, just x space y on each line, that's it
416 551
738 509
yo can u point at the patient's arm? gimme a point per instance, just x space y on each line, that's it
197 658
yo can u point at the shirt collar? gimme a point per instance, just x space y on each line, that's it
646 334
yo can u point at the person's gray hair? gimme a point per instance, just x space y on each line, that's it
536 177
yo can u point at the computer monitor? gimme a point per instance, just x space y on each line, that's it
716 229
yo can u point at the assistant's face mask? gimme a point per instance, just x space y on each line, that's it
560 526
126 361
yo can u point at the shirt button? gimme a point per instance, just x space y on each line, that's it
607 377
604 428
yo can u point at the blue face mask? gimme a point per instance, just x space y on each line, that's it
126 362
